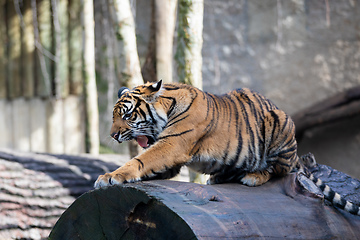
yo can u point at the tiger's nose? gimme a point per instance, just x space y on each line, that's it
115 135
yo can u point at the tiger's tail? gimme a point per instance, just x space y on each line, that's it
335 198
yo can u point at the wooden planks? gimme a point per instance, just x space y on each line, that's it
43 125
38 119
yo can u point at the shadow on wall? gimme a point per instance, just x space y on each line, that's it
336 144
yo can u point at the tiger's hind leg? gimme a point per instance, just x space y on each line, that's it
281 148
256 178
282 166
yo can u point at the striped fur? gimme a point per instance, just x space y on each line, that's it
237 137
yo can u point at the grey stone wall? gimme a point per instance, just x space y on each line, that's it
294 52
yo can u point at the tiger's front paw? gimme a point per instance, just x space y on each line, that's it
108 179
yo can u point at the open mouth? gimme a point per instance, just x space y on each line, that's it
142 140
145 141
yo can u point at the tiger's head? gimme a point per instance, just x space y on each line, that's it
138 115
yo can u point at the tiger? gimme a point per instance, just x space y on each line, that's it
240 136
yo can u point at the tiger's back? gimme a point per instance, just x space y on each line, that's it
245 133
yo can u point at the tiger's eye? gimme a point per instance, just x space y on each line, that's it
127 116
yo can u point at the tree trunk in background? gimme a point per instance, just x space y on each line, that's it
91 104
3 55
131 73
159 56
165 12
188 51
148 69
189 45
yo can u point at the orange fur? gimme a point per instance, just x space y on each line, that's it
237 137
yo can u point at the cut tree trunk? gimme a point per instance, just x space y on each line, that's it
173 210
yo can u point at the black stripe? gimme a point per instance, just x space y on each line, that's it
331 195
171 87
141 163
188 107
172 106
150 113
143 114
175 135
176 121
276 122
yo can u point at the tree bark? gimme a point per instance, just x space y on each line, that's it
91 104
159 57
165 12
188 52
131 73
189 42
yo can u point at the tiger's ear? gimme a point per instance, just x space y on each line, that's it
156 86
152 92
122 90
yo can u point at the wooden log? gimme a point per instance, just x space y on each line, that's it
281 208
35 189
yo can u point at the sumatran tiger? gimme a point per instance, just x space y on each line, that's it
237 137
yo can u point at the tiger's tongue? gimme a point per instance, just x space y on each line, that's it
142 141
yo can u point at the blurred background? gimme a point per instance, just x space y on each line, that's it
301 54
